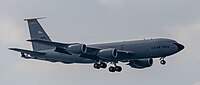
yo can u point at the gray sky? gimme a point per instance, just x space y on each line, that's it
95 21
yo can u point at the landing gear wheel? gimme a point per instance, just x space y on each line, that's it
112 69
103 65
96 65
118 68
163 62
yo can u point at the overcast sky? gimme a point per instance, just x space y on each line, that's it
95 21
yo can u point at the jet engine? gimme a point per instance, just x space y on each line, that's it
77 48
141 63
107 53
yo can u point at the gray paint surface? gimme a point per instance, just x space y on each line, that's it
123 20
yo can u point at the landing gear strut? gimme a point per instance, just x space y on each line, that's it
162 61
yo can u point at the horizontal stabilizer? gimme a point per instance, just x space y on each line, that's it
33 53
34 18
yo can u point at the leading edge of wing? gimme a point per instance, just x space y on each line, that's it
27 51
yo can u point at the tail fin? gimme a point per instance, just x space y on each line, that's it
37 32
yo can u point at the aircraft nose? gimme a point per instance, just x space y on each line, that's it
180 46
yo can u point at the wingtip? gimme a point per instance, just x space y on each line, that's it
32 40
11 48
29 40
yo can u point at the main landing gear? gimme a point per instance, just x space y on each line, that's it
101 65
114 68
162 61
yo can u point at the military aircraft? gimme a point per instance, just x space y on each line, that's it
136 54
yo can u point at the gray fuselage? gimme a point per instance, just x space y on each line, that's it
151 48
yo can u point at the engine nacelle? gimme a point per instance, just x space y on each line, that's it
107 53
77 48
141 63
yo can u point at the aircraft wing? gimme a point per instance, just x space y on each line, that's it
91 52
33 53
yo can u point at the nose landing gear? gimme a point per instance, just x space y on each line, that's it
162 61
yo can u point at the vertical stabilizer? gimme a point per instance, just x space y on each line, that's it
37 32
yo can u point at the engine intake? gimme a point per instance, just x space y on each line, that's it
107 53
141 63
77 48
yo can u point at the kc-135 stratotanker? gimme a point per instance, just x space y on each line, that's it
136 54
